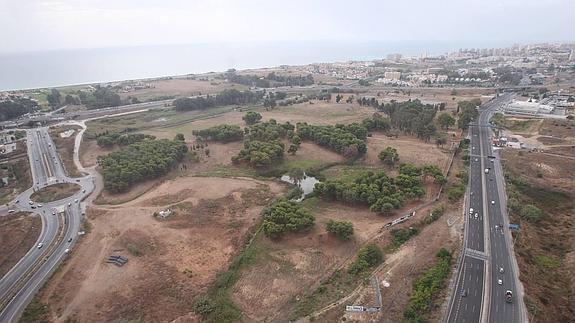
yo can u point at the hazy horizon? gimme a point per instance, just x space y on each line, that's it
40 25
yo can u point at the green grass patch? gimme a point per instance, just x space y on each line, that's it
55 192
547 262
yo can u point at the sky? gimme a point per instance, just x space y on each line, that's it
36 25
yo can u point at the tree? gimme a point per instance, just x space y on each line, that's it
252 117
389 156
338 98
341 229
367 257
445 120
467 112
440 141
293 149
71 100
180 137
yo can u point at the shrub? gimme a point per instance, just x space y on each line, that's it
367 257
531 213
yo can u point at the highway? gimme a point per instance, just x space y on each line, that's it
478 296
60 226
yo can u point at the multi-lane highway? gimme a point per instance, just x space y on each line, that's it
487 268
60 226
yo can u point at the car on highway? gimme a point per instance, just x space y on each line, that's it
492 202
30 202
11 211
67 250
471 210
499 282
76 201
33 207
69 204
463 292
83 191
39 205
501 270
70 240
40 245
476 215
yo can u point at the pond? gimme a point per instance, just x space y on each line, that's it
306 183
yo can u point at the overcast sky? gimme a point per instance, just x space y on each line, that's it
30 25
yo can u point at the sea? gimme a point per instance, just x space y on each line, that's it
40 69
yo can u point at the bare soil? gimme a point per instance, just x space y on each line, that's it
90 151
171 261
410 150
18 234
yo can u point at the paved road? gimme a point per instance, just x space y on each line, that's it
60 226
477 295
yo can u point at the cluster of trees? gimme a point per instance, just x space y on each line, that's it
376 123
295 143
412 117
226 97
426 287
139 161
260 153
285 216
54 98
16 107
467 112
102 97
222 133
381 192
270 130
367 257
341 229
262 145
251 117
348 140
270 80
108 139
289 80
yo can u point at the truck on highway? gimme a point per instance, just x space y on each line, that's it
508 296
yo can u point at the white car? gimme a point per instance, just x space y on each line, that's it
67 250
476 215
76 201
501 270
492 202
11 211
40 245
39 205
499 282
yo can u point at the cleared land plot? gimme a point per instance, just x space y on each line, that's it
410 150
55 192
558 128
178 87
18 233
170 261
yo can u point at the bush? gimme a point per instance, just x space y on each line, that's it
367 257
531 213
286 216
341 229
